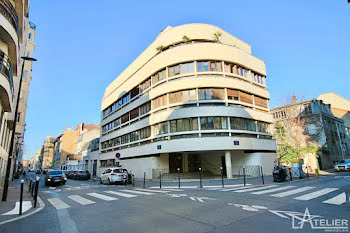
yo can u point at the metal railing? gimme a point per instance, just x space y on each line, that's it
9 12
6 67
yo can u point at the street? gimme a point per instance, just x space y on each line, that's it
87 206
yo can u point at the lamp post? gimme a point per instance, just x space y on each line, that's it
8 168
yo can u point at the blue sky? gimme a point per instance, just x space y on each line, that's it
83 45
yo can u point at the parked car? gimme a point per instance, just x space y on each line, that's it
75 174
342 165
55 177
82 175
71 174
116 175
37 171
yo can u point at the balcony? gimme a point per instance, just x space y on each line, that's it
6 81
9 12
6 67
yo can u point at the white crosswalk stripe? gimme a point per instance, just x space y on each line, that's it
337 200
121 194
255 189
315 194
58 204
174 190
137 192
81 200
154 191
238 188
291 192
273 190
102 197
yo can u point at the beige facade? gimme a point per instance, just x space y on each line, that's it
46 154
71 145
14 28
196 91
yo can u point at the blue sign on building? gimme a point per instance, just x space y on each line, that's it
236 143
159 147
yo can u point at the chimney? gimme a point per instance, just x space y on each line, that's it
295 100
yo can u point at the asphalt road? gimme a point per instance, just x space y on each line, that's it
87 206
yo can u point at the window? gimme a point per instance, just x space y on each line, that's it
145 132
211 93
189 95
134 92
134 136
207 123
175 97
244 97
260 102
174 70
125 118
126 98
159 76
29 35
233 95
187 68
18 117
117 122
21 96
215 66
263 127
228 68
242 124
187 124
134 113
145 85
145 108
159 101
161 128
202 66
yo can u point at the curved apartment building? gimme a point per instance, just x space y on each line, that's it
196 97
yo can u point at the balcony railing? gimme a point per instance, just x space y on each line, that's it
9 12
6 67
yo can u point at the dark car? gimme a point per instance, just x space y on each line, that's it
74 176
55 177
70 174
82 175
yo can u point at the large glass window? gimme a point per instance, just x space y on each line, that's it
159 101
146 84
145 132
263 127
202 66
215 66
187 67
189 95
159 76
187 124
242 124
174 70
145 108
161 128
211 93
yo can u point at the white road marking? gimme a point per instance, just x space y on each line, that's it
213 189
102 197
316 194
225 186
81 200
232 189
200 199
177 195
26 205
337 200
174 187
137 192
155 191
174 190
273 190
295 191
58 204
255 189
121 194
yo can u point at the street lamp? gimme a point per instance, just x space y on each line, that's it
8 168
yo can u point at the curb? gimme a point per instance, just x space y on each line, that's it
42 206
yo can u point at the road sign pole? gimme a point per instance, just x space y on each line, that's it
244 175
178 175
222 176
21 198
200 178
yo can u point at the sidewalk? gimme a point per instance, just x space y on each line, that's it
10 210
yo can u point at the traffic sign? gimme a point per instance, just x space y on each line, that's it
117 155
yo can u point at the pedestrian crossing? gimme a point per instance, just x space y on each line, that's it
109 195
305 193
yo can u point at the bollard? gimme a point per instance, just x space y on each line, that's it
30 185
144 180
290 174
262 175
21 198
244 174
36 191
160 179
133 180
317 173
307 172
33 188
200 178
300 172
178 175
222 177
